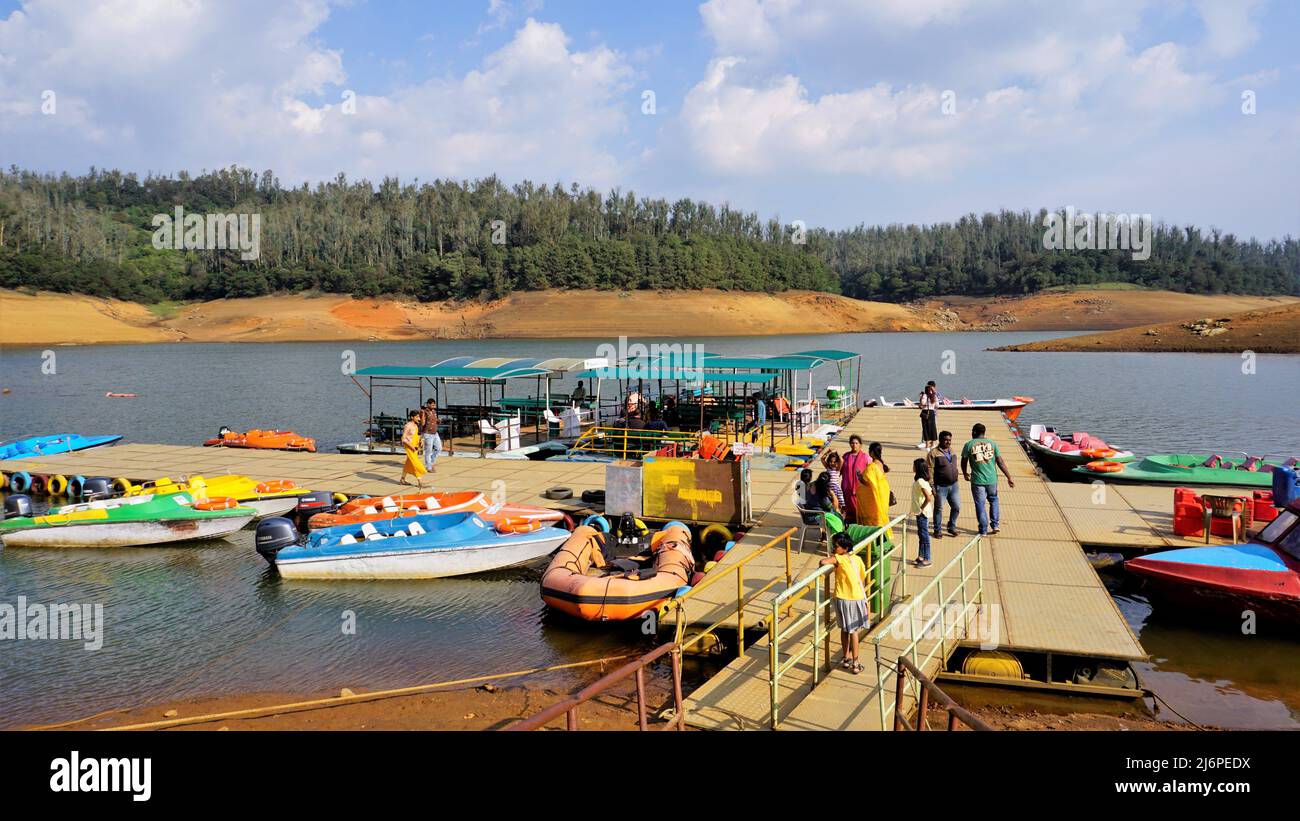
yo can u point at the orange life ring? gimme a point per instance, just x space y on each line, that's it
1098 453
216 503
275 486
516 524
1104 467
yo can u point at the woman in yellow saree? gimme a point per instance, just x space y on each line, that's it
873 491
411 444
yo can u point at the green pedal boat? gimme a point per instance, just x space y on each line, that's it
127 522
1188 469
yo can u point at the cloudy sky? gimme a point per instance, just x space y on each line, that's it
830 111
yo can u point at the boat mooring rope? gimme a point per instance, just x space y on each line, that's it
323 703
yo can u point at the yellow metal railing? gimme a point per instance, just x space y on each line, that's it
742 600
967 569
820 582
633 442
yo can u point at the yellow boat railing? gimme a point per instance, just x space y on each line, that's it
820 583
743 600
968 568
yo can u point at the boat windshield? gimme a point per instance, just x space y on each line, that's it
1291 543
1279 526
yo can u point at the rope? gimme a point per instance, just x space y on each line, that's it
1156 696
323 703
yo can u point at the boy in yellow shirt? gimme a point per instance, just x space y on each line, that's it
850 598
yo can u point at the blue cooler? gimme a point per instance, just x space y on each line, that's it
1286 486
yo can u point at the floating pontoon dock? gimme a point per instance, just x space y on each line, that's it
1031 584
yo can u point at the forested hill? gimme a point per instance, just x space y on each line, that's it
479 240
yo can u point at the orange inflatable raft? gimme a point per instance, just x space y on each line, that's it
371 509
263 440
580 580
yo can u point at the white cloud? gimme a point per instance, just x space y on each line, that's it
190 85
1231 26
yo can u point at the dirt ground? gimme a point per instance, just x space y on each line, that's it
1012 718
1276 330
54 319
486 707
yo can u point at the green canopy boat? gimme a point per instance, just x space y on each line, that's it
1185 469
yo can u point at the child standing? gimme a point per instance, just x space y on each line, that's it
923 509
850 598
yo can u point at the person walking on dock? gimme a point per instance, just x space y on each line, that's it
411 444
429 434
943 473
922 509
850 598
929 402
978 460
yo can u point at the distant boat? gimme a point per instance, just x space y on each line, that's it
112 395
262 440
56 443
1011 407
1262 575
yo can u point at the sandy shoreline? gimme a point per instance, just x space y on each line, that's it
48 319
490 707
1273 331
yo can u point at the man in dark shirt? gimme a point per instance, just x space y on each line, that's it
428 422
943 468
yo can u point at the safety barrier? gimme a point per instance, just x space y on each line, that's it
569 707
820 582
928 688
909 612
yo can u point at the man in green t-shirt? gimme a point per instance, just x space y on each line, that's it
978 460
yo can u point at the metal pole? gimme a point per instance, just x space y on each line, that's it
640 697
677 688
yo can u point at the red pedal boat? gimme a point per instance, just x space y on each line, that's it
1262 576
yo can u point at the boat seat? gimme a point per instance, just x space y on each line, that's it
348 538
374 537
432 503
397 534
415 529
370 510
368 530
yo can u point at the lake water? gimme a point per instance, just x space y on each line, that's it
210 620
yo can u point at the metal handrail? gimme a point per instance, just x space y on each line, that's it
958 562
742 601
955 711
821 626
636 668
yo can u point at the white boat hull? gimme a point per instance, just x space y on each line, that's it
126 534
272 507
431 563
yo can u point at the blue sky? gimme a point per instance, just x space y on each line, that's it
832 112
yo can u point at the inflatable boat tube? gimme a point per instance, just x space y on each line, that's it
580 582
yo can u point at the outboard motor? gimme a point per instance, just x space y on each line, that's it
17 506
96 487
273 535
318 501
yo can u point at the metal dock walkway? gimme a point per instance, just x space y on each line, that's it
1039 593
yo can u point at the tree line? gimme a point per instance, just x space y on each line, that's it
481 239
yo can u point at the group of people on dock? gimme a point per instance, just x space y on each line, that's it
855 484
